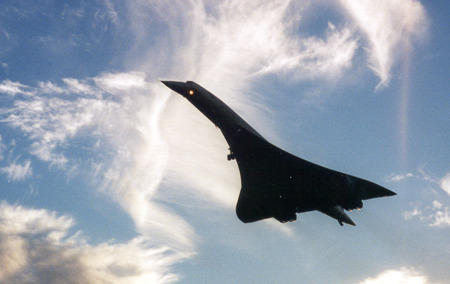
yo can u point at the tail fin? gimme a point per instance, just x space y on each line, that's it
366 189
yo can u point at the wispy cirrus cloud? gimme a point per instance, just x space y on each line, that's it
14 88
50 122
255 39
390 27
17 172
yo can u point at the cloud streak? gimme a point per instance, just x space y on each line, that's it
390 27
403 275
399 177
14 88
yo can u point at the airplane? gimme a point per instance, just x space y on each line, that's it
275 183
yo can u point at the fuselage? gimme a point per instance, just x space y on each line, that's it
226 119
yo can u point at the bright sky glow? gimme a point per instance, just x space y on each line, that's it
106 176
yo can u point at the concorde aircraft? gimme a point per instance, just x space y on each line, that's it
274 182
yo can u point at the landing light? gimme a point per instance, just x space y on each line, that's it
191 92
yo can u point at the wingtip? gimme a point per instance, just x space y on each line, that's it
389 192
371 190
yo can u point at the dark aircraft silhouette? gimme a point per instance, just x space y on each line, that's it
274 182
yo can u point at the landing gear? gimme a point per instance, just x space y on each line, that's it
231 156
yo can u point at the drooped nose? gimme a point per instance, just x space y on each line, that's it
179 87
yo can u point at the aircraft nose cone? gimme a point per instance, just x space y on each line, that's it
179 87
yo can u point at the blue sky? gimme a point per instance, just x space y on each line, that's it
106 176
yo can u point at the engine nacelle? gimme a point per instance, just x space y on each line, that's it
354 204
286 217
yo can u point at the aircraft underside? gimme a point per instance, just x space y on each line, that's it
275 183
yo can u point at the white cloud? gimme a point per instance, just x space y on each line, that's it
312 57
50 88
409 214
435 215
402 276
32 221
437 204
14 88
445 183
441 215
51 121
399 177
112 82
35 247
257 38
441 218
77 87
16 171
390 26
